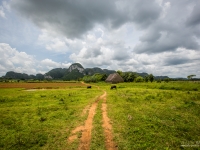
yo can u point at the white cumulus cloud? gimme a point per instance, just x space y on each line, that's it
14 60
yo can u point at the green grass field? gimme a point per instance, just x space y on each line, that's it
143 116
155 115
41 119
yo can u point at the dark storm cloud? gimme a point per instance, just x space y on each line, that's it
144 13
150 36
166 26
172 30
176 61
162 40
73 18
69 17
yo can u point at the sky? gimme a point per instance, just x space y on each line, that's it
161 37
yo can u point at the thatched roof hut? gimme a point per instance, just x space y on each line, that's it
114 78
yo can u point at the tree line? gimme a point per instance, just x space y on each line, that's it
127 76
131 77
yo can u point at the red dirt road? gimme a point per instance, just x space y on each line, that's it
86 130
110 145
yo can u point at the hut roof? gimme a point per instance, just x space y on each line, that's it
114 78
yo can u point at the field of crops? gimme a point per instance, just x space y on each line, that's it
139 116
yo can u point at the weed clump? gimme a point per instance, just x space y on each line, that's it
2 99
42 119
195 89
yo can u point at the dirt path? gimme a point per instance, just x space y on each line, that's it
110 145
87 128
86 133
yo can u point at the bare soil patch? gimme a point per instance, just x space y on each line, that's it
85 110
86 133
52 85
110 145
86 129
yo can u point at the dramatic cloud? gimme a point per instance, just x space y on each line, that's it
170 31
13 60
75 18
181 62
71 18
102 50
154 36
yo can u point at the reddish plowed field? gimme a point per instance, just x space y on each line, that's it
41 85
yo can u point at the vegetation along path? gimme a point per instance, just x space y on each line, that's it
86 130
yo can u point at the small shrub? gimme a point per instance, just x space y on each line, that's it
166 80
159 81
149 97
42 119
162 87
189 103
195 89
2 100
62 100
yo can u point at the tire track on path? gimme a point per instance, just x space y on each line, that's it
110 145
86 130
86 133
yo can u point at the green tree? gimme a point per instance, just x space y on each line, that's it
159 81
100 77
191 76
104 77
120 72
95 78
139 79
146 78
129 76
125 76
167 80
151 77
132 77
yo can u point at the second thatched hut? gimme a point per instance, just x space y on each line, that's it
114 78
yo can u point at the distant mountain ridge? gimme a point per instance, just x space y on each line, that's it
74 72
